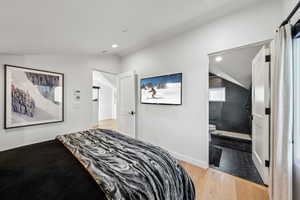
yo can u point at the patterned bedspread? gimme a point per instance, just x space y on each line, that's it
128 169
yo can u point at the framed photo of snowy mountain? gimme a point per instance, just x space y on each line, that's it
163 90
32 97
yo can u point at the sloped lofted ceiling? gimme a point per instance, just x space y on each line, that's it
103 78
92 26
236 65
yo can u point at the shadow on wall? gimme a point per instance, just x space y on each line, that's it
234 113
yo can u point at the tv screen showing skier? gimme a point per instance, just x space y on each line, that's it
162 89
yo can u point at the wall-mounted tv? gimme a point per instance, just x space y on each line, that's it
166 90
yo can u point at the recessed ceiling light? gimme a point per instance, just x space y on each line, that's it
219 58
114 46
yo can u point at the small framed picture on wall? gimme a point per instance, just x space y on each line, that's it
32 97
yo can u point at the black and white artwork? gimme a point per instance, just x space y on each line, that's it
162 89
32 97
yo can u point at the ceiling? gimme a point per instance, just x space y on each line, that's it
103 78
236 65
92 26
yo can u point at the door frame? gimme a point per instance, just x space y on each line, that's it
271 139
270 42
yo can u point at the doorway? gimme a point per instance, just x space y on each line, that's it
104 100
238 92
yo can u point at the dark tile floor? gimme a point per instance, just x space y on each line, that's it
238 163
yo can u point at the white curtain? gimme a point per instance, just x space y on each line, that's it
282 115
296 166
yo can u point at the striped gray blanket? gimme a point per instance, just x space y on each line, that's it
129 169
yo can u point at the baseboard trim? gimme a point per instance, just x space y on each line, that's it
190 160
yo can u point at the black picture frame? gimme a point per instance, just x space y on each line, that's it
6 66
162 103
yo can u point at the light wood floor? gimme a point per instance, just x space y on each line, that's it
211 184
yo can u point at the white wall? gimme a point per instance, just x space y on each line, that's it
78 75
106 102
95 113
183 130
107 92
288 7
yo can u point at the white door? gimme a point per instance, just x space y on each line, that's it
126 105
260 105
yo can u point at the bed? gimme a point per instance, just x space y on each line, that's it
94 164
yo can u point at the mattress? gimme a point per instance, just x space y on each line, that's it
127 168
92 165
